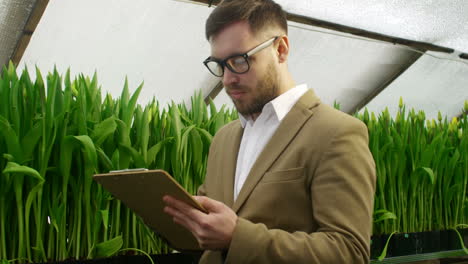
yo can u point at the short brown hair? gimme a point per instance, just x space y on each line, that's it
258 13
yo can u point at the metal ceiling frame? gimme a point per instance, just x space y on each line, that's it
387 83
351 30
40 6
214 92
28 30
420 46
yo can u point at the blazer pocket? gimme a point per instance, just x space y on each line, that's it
283 175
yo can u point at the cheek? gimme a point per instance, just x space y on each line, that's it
249 80
262 71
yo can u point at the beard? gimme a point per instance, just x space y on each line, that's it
266 90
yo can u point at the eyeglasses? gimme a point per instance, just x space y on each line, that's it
237 63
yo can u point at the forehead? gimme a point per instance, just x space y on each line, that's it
234 39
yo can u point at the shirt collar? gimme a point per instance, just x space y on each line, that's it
281 105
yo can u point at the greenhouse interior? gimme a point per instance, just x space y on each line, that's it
176 131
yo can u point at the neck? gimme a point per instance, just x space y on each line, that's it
286 84
255 116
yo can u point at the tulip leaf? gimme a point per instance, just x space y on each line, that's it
16 168
103 130
89 150
107 248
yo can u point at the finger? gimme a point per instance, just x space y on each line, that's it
181 219
189 211
177 204
177 209
173 202
209 204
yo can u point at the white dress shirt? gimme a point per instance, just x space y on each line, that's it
257 133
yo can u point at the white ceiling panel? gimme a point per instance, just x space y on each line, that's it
159 42
340 67
431 84
439 22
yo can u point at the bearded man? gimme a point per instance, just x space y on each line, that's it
291 181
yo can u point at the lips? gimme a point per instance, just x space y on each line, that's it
236 94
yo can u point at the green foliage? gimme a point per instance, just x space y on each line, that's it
55 133
106 248
422 171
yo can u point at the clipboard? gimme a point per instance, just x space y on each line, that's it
142 191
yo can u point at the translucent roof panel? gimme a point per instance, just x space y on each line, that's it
341 67
442 23
162 43
431 84
13 16
159 42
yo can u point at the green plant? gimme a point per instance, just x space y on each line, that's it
422 171
55 133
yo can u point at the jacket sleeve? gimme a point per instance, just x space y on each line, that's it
342 197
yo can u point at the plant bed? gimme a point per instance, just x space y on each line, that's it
182 258
450 240
377 245
406 244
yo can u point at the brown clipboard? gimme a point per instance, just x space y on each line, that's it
142 191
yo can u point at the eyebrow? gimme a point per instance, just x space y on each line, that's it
230 56
253 50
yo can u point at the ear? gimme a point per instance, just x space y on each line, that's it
283 49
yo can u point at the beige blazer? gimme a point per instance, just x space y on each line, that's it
309 196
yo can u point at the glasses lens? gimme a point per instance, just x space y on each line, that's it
215 68
238 64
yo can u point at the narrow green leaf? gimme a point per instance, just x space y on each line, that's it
428 172
462 243
88 149
384 251
11 140
105 218
107 163
30 140
108 248
13 167
154 150
206 135
103 130
116 160
137 157
385 216
8 157
197 147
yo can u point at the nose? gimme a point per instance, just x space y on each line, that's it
229 77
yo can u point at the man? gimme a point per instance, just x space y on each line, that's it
293 180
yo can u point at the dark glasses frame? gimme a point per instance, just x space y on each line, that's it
223 63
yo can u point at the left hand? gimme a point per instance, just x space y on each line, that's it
213 230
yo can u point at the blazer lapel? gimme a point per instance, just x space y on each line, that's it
232 143
287 130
